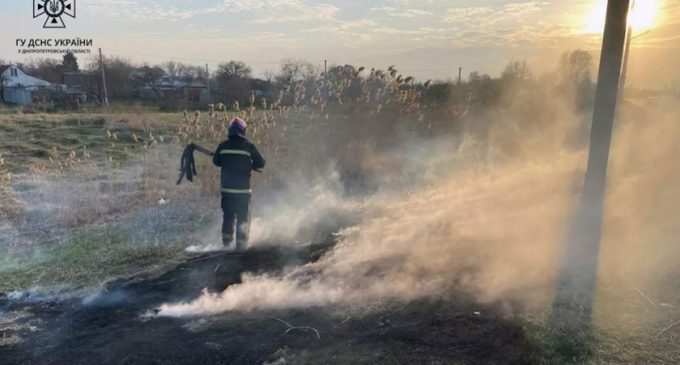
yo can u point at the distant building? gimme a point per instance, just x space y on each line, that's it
182 93
80 87
262 88
19 88
193 91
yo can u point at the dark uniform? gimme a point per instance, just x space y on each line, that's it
237 157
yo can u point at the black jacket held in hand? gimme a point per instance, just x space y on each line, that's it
237 157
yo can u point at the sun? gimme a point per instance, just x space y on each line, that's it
643 16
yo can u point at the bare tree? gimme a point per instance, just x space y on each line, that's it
48 69
171 68
234 77
295 70
576 67
146 75
233 70
575 75
184 71
516 71
269 75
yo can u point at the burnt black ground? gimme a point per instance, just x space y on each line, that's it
110 329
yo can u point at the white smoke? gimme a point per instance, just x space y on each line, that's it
495 233
291 216
419 244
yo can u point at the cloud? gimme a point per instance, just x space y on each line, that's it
527 23
151 10
293 11
495 25
485 15
164 10
401 13
467 14
261 11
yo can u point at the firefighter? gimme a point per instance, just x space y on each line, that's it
237 157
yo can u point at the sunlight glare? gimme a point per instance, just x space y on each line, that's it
642 17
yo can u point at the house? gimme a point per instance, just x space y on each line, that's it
16 87
242 90
80 86
262 88
177 93
193 91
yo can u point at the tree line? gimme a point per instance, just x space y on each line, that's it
233 83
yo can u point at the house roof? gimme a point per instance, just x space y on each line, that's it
22 79
178 83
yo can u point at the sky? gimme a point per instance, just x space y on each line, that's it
428 39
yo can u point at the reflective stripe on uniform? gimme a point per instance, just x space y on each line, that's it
235 152
237 191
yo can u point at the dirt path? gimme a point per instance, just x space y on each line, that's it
111 329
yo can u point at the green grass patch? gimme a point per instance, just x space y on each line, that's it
89 258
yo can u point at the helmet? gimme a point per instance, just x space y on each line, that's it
237 127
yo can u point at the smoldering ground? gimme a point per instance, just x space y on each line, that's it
493 224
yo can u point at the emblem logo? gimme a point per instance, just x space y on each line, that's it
54 10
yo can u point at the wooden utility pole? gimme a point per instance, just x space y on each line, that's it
460 75
606 98
101 67
578 275
325 79
629 42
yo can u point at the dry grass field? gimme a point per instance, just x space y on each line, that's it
90 204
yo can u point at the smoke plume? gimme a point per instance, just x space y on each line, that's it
491 223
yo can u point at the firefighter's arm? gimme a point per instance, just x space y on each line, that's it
217 157
258 160
203 150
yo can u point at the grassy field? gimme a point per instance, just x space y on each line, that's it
27 139
95 217
87 191
84 261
